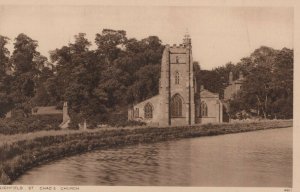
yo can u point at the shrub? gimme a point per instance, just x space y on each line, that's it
120 120
130 123
30 124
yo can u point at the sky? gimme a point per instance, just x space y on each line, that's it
219 34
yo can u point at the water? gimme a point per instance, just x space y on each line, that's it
253 159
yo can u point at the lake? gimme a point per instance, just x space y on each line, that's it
253 159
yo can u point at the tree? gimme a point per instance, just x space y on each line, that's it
24 54
211 80
5 102
27 63
110 43
4 55
268 88
119 72
43 95
146 84
77 75
256 89
124 77
141 64
282 91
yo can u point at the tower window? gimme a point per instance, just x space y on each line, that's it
148 111
177 59
176 106
203 109
177 78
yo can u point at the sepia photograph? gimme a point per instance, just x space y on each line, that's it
140 95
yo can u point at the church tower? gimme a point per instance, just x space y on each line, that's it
177 85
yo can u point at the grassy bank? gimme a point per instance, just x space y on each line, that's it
24 151
33 123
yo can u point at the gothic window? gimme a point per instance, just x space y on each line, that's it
203 109
136 113
177 59
148 111
176 106
198 110
177 77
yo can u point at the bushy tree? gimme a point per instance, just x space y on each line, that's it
27 63
5 101
268 86
130 61
4 55
77 77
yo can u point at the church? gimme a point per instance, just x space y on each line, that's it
178 102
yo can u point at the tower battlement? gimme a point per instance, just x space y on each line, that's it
187 43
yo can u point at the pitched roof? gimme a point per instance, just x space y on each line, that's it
205 94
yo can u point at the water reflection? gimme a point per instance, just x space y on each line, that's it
261 159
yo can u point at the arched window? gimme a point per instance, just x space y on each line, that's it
177 77
136 112
197 110
176 106
148 111
203 109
